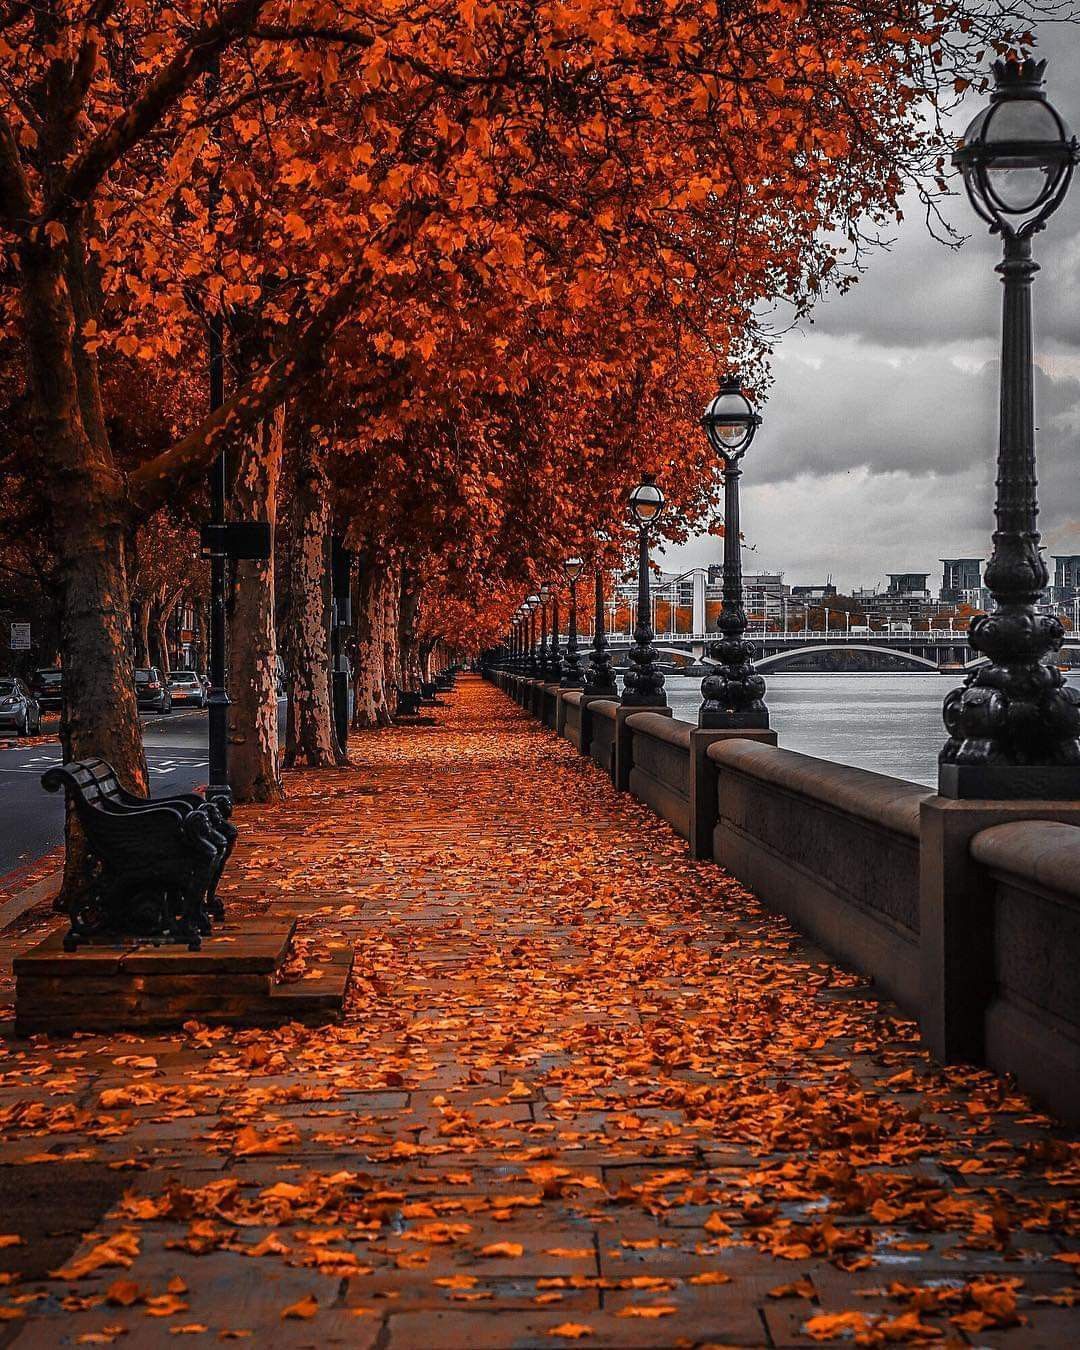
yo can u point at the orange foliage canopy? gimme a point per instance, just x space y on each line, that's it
516 239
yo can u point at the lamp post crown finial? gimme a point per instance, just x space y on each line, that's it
1023 78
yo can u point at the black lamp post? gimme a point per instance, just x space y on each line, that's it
1014 727
571 676
733 693
555 662
542 663
218 787
643 686
534 662
523 638
599 677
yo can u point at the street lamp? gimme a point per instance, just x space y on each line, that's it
542 663
643 686
522 612
571 677
1014 727
733 693
534 662
599 677
555 660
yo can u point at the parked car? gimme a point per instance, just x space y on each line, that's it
152 690
186 687
47 686
19 709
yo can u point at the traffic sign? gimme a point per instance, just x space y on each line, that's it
238 539
20 637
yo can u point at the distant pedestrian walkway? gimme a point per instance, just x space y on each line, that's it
587 1092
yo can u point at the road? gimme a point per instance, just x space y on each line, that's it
32 820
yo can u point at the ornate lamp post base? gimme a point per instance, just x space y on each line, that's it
599 676
1010 782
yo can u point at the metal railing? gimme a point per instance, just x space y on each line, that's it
919 635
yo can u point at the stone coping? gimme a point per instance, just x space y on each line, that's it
1044 851
661 728
891 802
604 707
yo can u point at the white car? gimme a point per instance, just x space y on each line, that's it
186 687
19 709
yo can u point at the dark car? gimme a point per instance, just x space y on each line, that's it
47 687
152 690
186 687
19 709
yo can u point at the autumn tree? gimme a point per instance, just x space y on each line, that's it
408 170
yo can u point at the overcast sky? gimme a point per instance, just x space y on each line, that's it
877 450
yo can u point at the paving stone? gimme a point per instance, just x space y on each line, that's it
461 863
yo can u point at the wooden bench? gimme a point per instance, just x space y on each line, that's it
154 863
408 703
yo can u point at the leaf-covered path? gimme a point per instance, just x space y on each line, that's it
586 1092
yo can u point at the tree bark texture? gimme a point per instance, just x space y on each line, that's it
369 664
311 738
86 498
253 720
408 624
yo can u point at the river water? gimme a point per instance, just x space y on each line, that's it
888 723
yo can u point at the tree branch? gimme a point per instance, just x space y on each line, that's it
16 203
110 145
177 469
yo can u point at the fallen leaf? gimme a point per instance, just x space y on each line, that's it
502 1249
796 1289
836 1326
303 1308
164 1305
123 1293
119 1250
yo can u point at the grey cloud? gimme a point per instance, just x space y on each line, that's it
880 433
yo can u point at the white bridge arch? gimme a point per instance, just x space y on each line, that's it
776 659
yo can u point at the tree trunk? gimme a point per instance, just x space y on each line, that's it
160 621
369 677
253 718
391 598
310 739
408 621
87 501
142 633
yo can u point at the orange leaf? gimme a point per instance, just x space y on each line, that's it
303 1308
123 1293
834 1326
502 1249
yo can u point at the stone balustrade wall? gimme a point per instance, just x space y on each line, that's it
660 766
967 914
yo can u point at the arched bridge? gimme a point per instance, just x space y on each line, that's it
839 652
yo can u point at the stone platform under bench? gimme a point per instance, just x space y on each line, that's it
237 977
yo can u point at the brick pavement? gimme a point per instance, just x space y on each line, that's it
587 1092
